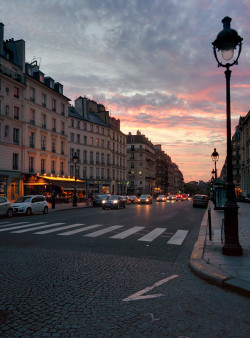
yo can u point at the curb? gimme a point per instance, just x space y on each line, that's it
210 273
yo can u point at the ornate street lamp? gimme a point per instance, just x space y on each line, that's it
227 42
215 157
75 159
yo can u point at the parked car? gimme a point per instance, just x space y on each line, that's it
6 208
200 201
30 204
161 198
145 199
179 197
133 198
97 200
114 202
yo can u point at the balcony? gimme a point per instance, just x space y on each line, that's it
32 122
15 167
54 130
43 148
32 145
12 74
44 126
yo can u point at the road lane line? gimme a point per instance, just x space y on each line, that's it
178 237
127 233
27 224
40 227
58 229
72 232
138 295
103 231
152 235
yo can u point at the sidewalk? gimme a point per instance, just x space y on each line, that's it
67 206
207 260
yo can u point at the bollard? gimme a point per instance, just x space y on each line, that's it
209 224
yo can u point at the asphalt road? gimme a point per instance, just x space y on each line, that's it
86 286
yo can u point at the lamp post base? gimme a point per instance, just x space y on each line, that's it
74 201
231 246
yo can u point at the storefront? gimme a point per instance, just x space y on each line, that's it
10 184
62 187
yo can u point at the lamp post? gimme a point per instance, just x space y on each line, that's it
75 159
215 157
227 41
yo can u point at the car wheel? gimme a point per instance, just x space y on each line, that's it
124 206
10 213
45 211
28 212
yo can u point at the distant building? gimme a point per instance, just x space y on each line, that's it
97 140
244 126
141 160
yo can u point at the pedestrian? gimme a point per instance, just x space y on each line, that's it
53 199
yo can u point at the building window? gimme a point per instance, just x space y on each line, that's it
62 108
102 143
78 138
54 125
43 100
62 128
84 139
31 164
108 159
32 94
72 123
43 142
84 172
97 158
132 165
32 116
91 158
97 142
78 124
7 110
71 170
62 168
16 92
16 113
6 131
43 121
97 129
102 158
85 156
71 154
43 166
32 140
102 173
91 127
72 137
62 147
53 146
53 104
97 173
91 171
108 174
16 136
85 126
91 141
15 162
53 165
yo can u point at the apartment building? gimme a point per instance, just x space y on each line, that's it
141 159
100 146
244 126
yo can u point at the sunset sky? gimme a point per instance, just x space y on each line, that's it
150 62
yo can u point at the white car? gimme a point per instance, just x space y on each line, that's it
30 204
6 208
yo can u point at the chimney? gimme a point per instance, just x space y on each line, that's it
81 106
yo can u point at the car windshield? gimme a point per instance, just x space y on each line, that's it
113 197
102 196
144 196
161 196
23 199
200 197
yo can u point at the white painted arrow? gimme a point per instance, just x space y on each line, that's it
138 295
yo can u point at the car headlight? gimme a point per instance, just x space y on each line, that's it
104 201
147 200
115 201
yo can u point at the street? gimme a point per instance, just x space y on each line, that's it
107 273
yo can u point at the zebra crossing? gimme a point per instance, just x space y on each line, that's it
92 231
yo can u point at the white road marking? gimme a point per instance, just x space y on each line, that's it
40 227
138 295
127 233
58 229
152 235
3 224
27 224
72 232
104 231
178 237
